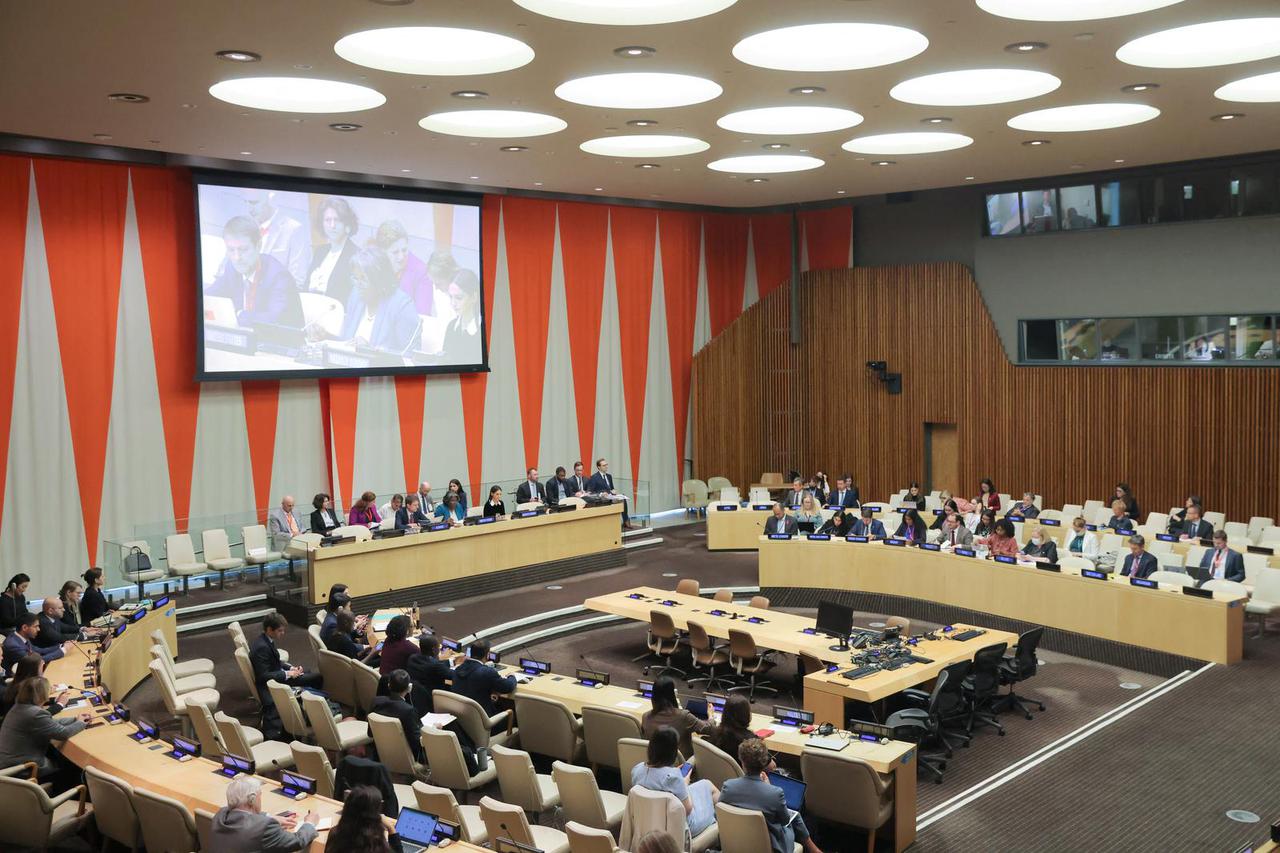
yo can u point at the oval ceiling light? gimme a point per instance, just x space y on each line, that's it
830 47
1081 117
907 143
492 124
644 146
789 120
766 164
1069 10
1260 89
1205 45
975 87
297 95
628 13
638 90
438 51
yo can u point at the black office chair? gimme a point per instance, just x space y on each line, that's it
924 725
1018 667
982 687
952 709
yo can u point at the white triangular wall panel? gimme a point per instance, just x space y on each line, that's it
751 289
444 445
379 463
222 476
558 443
658 463
503 436
610 438
702 315
299 467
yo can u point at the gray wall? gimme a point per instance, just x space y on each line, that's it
1214 266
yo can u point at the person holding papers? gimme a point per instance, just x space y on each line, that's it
914 497
1222 562
1040 547
1138 564
410 516
868 526
451 510
494 506
780 522
953 533
379 314
1003 541
531 489
753 791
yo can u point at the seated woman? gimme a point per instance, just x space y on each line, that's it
29 666
1003 540
29 729
323 519
660 771
914 497
397 648
455 488
1082 542
461 342
983 524
810 511
451 509
839 524
948 506
93 604
912 528
410 516
340 639
1040 547
666 711
1120 520
365 511
378 314
495 506
734 726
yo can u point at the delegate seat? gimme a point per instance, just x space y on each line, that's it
582 801
441 802
217 554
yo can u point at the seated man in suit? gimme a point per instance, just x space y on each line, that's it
842 495
20 643
1139 564
531 489
954 533
795 497
601 483
1194 527
241 825
283 523
475 679
429 672
557 488
579 480
1177 520
868 526
259 286
1120 521
1223 562
780 522
410 516
1026 507
267 665
753 790
52 630
396 704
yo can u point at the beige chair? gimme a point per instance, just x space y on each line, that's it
313 761
759 601
166 823
601 730
217 554
181 557
441 802
1216 519
475 722
548 727
366 684
503 820
177 703
183 686
393 749
520 784
313 636
631 751
714 763
337 737
744 830
1257 525
204 828
658 810
688 586
1253 565
585 839
1266 598
705 655
724 596
717 484
694 497
242 642
747 661
30 818
1229 589
245 667
1075 563
846 791
581 799
663 641
180 668
206 732
321 615
268 755
448 767
256 550
1174 578
291 717
113 812
144 577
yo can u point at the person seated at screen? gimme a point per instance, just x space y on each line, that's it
1195 527
494 505
21 643
987 497
531 489
1003 540
29 733
411 271
69 595
779 521
1026 507
949 507
661 771
1119 520
410 516
426 503
379 315
260 288
912 528
52 630
340 642
796 496
330 271
391 507
365 510
810 511
338 601
953 533
476 680
1223 563
1081 541
601 483
558 487
753 790
462 336
93 604
1138 563
914 497
845 494
1040 547
839 524
450 509
1178 519
869 526
323 518
455 488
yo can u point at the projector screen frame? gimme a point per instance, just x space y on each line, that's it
271 181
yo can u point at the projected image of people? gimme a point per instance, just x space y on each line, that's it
312 282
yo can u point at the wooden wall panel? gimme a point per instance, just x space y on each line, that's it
1069 433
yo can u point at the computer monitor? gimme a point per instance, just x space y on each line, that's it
835 620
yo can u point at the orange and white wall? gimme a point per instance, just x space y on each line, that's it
594 312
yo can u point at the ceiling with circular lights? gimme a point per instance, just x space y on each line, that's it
765 103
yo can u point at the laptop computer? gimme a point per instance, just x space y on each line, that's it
792 789
805 526
415 829
1200 573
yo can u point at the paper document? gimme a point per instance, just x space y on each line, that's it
437 721
834 744
324 823
630 706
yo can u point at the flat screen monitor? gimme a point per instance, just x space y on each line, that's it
303 279
835 620
1003 215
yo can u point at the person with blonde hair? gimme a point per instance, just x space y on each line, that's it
810 511
657 841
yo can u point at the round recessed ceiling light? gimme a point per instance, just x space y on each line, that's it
769 121
297 95
644 146
974 87
1081 117
345 126
1260 89
807 90
1226 117
1026 47
638 90
469 94
830 47
642 122
238 55
128 97
1069 10
765 164
907 143
1036 143
1204 45
492 124
438 51
625 12
1139 87
633 51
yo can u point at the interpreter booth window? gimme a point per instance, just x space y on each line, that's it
1255 338
1078 339
1254 190
1119 339
1078 207
1204 338
1039 211
1040 340
1121 203
1161 338
1002 215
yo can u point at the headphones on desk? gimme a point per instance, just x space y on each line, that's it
825 730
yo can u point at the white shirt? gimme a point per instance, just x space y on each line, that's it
320 275
364 331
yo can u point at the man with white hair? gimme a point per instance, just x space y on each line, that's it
283 523
428 504
241 827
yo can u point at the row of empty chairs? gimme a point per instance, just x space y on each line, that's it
182 562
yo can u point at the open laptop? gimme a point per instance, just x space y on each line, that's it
416 829
792 789
1200 573
806 526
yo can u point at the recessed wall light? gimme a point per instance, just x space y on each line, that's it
330 162
1026 46
1139 87
642 122
648 166
514 148
128 97
775 146
935 120
757 180
884 163
1035 143
1226 117
633 51
238 55
345 126
807 90
470 94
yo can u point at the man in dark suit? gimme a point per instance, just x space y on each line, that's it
410 516
1139 564
601 483
19 644
1178 519
259 287
1194 527
842 495
429 673
1222 562
753 790
780 522
869 526
531 490
396 704
558 488
52 630
267 665
475 679
579 480
1026 507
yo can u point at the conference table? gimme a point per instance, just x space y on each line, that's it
377 566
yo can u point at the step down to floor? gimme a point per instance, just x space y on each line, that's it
639 531
631 544
246 617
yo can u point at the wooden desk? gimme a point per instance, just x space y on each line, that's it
380 565
735 529
127 660
1163 619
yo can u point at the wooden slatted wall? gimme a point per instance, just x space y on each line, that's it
1068 433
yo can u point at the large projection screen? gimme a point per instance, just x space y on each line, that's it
312 279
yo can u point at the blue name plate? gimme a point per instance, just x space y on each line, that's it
930 546
1002 558
1050 522
861 539
779 535
1091 527
727 508
1017 518
900 543
902 510
443 525
1144 583
1165 537
487 519
526 513
764 507
1090 573
873 507
834 507
819 537
964 552
938 511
